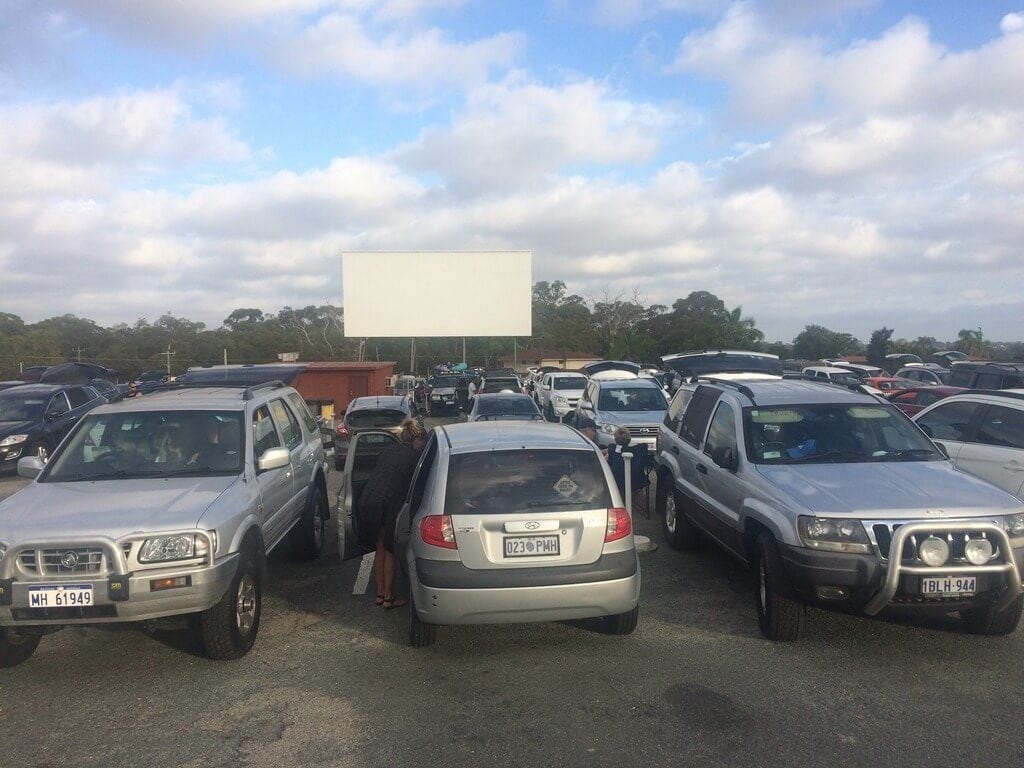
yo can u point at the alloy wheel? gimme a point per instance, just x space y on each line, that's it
670 512
245 605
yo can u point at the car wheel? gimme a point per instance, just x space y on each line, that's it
421 634
779 614
307 537
549 413
986 620
39 450
16 647
622 623
228 629
678 531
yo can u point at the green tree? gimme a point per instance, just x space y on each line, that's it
972 343
815 342
878 346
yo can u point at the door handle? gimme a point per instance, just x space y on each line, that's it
702 469
675 449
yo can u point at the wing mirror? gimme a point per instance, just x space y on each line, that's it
273 458
726 458
940 446
30 466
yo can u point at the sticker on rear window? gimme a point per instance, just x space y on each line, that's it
565 486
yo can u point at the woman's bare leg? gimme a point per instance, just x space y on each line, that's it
380 566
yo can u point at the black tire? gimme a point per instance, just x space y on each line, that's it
16 647
678 531
549 413
222 634
622 623
307 537
421 634
986 620
780 615
40 450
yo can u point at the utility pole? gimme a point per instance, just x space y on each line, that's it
515 353
412 356
168 354
225 356
79 350
463 350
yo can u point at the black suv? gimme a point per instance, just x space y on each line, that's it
986 375
34 418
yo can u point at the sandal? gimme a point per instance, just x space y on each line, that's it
394 602
379 600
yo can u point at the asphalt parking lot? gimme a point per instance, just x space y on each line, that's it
331 682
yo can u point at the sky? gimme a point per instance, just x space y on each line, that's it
844 162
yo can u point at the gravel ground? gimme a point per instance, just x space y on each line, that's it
331 682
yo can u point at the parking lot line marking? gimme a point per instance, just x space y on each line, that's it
363 577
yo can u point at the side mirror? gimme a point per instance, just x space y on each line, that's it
940 446
725 457
30 466
273 458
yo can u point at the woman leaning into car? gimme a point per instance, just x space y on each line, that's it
381 501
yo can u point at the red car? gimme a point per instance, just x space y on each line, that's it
886 384
917 398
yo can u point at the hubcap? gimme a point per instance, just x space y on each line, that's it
762 584
42 453
245 607
670 513
318 526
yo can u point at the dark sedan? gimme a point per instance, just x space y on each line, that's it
916 399
378 413
504 407
34 418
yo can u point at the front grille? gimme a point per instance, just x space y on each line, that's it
647 430
51 562
956 540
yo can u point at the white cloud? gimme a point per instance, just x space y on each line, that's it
1012 22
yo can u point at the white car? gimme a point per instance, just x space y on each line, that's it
830 375
983 435
557 394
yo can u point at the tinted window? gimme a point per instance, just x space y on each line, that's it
496 385
676 408
419 480
989 381
699 365
78 397
506 406
695 418
287 423
444 382
368 450
628 398
1002 426
264 434
927 398
300 408
15 407
58 404
497 482
569 382
722 432
949 421
961 379
373 418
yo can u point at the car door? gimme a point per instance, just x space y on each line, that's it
950 424
275 485
414 502
995 451
717 485
585 409
364 451
301 453
59 419
691 432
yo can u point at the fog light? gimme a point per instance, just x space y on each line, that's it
833 593
978 551
933 551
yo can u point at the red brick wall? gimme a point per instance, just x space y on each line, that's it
328 384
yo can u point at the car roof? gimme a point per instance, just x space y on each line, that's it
826 369
637 383
496 395
712 353
39 389
794 392
384 401
499 435
566 375
193 398
995 394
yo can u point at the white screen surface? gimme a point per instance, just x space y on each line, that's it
437 293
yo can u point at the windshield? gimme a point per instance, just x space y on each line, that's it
699 365
151 444
495 482
15 407
382 417
818 434
569 382
631 399
507 406
497 385
445 382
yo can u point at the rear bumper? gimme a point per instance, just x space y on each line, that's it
514 605
206 587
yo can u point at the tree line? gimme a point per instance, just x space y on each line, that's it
611 326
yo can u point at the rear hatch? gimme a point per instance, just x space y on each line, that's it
375 418
528 507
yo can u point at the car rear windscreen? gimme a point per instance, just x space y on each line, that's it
570 382
527 480
700 365
372 418
507 406
496 385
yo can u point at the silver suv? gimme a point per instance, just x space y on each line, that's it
515 522
636 404
836 498
162 506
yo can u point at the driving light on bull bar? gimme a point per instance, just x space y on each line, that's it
832 534
164 548
978 551
933 551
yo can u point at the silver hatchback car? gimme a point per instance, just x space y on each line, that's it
512 522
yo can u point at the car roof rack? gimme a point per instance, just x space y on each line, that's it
997 392
251 390
248 390
743 389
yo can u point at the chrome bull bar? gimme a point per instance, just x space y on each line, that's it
896 568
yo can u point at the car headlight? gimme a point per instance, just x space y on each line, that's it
13 440
163 548
608 429
832 534
1014 526
559 399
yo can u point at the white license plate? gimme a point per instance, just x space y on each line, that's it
531 546
946 586
60 596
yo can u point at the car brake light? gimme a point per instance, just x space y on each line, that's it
619 524
437 530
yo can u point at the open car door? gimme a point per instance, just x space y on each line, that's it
363 451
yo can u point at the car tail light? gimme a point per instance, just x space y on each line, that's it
437 530
619 524
342 430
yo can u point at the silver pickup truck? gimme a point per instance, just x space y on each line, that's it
836 499
164 505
